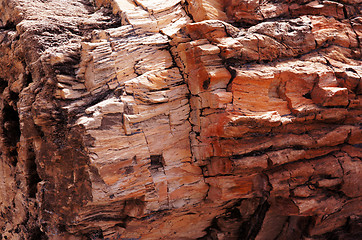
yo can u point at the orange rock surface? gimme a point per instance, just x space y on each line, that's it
180 119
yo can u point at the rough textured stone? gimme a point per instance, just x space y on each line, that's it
182 119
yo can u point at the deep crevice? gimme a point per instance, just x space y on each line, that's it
11 126
11 131
37 234
251 228
9 26
94 235
29 79
3 84
157 161
33 177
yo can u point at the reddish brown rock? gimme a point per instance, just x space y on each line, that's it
140 119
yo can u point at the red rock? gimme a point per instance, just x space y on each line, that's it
180 119
355 136
243 11
330 96
335 137
327 8
351 179
224 188
219 166
351 151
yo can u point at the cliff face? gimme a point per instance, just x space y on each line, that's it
197 119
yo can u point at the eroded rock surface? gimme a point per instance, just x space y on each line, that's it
150 119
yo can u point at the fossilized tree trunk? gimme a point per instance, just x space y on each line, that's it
174 119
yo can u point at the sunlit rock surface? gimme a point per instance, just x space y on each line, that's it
180 119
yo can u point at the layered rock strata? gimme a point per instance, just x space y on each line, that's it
140 119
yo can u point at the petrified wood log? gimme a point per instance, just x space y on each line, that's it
180 119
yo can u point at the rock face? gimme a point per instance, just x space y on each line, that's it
197 119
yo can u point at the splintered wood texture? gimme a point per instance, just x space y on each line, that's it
182 119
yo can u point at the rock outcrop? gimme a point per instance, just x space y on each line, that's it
180 119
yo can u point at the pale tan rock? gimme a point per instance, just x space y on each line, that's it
206 10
